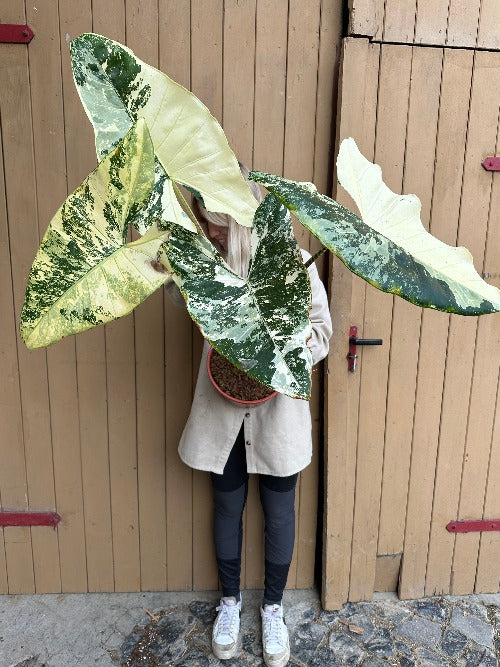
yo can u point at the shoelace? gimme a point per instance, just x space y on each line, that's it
274 627
227 619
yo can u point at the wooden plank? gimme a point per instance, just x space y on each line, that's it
487 578
431 22
206 83
473 223
418 177
109 20
142 38
48 137
463 17
13 485
75 18
366 18
454 103
387 572
399 21
21 206
488 35
394 80
298 164
238 112
355 117
174 48
301 89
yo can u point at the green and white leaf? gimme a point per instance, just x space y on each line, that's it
389 248
261 324
116 87
85 273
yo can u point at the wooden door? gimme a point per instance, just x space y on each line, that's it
412 436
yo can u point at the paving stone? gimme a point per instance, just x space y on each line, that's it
475 656
345 648
392 612
373 661
193 658
406 662
430 659
403 649
420 630
361 621
433 608
452 642
324 657
305 640
475 608
381 643
474 628
203 610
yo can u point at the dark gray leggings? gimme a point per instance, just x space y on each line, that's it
277 496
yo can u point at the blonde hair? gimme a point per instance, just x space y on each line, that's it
239 246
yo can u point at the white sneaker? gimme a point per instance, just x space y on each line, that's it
226 628
275 642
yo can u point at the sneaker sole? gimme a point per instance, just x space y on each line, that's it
224 654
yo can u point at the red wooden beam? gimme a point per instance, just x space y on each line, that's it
29 519
11 33
473 525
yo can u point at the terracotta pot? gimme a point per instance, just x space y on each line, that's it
237 401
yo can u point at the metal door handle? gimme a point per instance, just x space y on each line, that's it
354 342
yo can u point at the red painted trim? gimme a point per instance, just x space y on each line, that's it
471 526
11 33
491 163
29 519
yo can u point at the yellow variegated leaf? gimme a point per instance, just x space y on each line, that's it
85 273
116 87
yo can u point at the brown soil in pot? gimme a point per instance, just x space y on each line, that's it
235 382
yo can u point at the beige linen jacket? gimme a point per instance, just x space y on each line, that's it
277 433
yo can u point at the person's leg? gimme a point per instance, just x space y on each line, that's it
230 493
277 495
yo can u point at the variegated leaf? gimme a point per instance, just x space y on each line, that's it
116 88
389 248
261 324
85 273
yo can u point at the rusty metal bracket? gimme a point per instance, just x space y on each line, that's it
14 518
491 163
473 525
15 33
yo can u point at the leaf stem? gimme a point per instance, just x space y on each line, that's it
315 257
187 208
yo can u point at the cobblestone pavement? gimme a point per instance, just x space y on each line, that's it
461 631
159 629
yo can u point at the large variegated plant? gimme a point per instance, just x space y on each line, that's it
152 135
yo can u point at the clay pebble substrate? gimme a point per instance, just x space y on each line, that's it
235 382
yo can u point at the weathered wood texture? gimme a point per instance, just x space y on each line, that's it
90 426
412 437
460 23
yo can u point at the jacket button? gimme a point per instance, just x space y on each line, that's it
248 442
247 414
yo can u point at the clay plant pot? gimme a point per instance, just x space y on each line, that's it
220 370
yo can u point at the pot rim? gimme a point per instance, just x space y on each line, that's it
232 398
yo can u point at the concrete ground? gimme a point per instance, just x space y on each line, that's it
146 629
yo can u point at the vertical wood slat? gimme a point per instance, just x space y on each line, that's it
75 18
206 83
399 21
298 164
462 347
268 139
174 60
13 486
394 77
238 110
48 137
487 576
454 100
142 38
355 117
26 548
121 396
366 18
418 171
463 16
488 36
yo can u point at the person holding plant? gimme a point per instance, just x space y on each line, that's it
272 439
